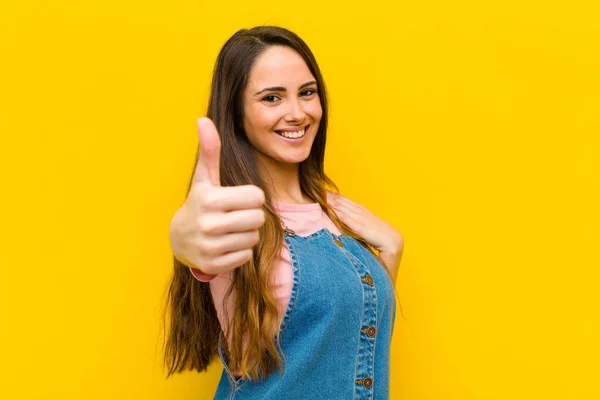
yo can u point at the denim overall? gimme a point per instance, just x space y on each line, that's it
336 331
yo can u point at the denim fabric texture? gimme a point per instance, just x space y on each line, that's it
337 328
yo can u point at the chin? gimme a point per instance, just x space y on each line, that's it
295 160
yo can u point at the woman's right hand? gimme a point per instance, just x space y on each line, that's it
215 229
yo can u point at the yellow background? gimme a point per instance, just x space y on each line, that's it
471 126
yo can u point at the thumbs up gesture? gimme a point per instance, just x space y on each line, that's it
217 227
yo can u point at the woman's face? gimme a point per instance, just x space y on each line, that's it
280 99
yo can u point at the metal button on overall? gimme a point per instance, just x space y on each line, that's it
371 331
337 241
367 382
368 279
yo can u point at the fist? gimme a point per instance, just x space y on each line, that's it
217 227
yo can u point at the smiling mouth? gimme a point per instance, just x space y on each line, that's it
293 135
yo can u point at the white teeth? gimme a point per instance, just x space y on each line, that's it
292 135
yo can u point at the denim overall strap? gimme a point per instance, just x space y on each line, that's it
337 328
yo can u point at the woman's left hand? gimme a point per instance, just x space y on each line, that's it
378 233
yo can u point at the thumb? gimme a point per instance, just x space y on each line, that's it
207 168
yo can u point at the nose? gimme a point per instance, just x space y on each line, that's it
295 111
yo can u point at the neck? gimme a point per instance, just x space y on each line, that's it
284 181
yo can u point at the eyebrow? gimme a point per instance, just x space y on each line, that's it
282 89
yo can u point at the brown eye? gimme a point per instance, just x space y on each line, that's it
309 92
270 98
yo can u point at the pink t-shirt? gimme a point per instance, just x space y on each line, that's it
303 219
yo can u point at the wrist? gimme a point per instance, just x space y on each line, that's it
394 246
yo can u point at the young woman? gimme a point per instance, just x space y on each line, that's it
285 280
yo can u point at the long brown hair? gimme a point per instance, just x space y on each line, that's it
194 327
